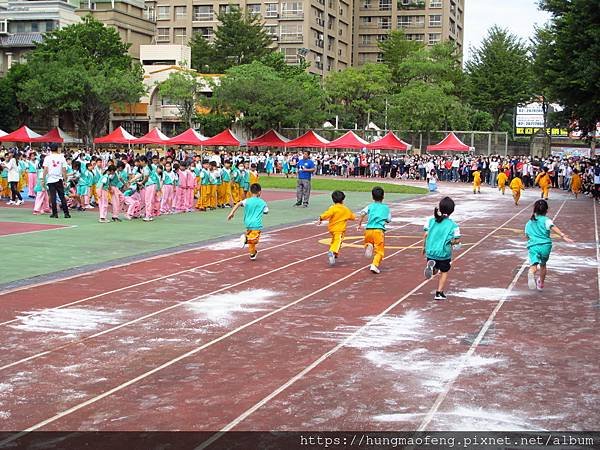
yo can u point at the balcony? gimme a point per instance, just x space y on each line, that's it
292 15
292 59
271 15
203 17
411 4
291 38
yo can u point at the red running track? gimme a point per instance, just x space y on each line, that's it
307 347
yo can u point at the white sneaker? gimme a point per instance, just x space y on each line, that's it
369 251
243 240
374 269
331 258
19 202
429 269
148 219
89 207
531 280
10 202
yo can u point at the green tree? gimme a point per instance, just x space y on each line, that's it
421 106
83 69
213 122
357 93
276 61
239 39
182 89
395 49
566 59
499 74
13 112
203 54
262 98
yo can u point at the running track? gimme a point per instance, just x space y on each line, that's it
208 341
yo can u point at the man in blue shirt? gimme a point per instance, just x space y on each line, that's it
306 167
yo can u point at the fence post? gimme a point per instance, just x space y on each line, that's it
489 142
505 144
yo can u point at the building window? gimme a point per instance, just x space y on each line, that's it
419 21
435 20
385 23
416 37
206 32
180 35
365 40
163 12
225 9
163 35
271 12
291 32
203 12
292 9
271 30
379 57
435 4
366 4
290 55
180 12
385 5
382 37
35 27
254 8
434 38
404 21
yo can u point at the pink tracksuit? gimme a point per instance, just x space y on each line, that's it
191 184
181 191
133 204
149 199
168 195
41 205
103 203
31 182
117 198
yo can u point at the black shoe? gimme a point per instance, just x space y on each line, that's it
298 204
53 216
440 296
67 216
116 219
253 256
305 205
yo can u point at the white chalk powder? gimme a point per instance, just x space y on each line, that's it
67 321
222 308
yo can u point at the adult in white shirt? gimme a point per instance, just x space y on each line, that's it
494 172
13 179
55 172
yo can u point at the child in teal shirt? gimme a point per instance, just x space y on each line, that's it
441 233
254 208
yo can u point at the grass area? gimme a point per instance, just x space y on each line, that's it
339 184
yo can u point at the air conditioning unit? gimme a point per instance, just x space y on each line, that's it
317 59
4 26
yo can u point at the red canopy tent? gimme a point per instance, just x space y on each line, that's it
188 137
348 140
270 139
310 139
23 134
224 138
389 142
119 136
154 136
57 136
450 143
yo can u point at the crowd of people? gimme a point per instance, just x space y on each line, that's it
149 184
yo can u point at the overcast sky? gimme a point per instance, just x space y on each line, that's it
519 16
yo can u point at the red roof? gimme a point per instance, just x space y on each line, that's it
450 143
58 136
224 138
310 139
155 136
270 139
119 136
188 137
389 142
23 134
348 140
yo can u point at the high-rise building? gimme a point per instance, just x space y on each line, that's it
330 34
427 21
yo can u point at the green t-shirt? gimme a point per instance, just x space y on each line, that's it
254 208
379 214
439 237
538 231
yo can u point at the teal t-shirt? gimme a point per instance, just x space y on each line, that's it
254 208
538 231
379 214
439 237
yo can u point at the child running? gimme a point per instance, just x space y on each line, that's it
379 214
576 183
254 208
516 186
502 179
539 243
441 233
477 182
337 215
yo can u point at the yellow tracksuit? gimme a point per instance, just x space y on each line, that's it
337 215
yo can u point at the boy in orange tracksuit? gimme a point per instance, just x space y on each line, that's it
378 216
477 182
576 183
502 179
516 186
544 182
337 215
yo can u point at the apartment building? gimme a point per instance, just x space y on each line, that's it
318 31
427 21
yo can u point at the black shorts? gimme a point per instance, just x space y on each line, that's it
443 265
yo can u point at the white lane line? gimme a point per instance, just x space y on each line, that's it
188 354
54 228
482 332
335 349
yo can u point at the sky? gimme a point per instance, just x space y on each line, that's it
519 16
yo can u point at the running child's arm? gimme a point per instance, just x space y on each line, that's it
562 235
363 214
235 208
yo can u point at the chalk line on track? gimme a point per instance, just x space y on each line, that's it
335 349
597 249
189 353
65 227
482 332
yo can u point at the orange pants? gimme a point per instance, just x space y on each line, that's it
252 237
203 197
517 196
222 197
336 241
545 191
377 238
235 192
212 196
